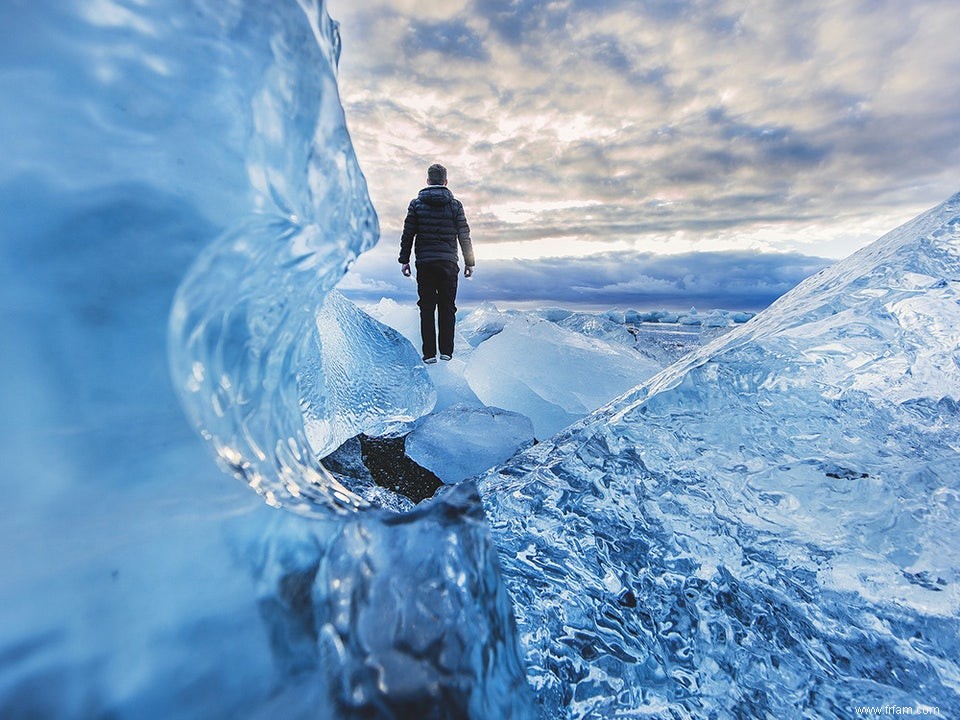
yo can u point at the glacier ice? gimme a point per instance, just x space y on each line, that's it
484 322
151 146
767 528
536 368
375 619
365 379
593 326
462 441
448 377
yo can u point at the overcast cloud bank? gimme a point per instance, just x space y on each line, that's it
735 280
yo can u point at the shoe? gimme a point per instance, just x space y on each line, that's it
430 360
444 357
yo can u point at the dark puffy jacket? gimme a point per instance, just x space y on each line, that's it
435 218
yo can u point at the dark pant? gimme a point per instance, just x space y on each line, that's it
437 288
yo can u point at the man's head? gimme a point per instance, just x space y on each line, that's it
437 174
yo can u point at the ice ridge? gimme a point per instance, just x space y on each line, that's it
242 328
767 527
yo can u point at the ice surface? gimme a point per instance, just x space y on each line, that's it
552 375
765 529
597 327
152 143
462 441
714 318
484 322
768 527
406 618
692 317
447 377
600 347
366 378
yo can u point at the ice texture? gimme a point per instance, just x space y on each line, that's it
596 326
768 527
462 441
366 378
149 144
765 529
484 322
552 375
399 617
242 326
447 377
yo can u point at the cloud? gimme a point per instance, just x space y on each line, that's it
452 38
722 119
728 280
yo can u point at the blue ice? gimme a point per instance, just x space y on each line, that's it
766 528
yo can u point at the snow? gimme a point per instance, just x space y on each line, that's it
462 441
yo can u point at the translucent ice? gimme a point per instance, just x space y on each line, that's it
148 143
366 378
484 322
598 327
768 527
447 377
462 441
552 375
381 619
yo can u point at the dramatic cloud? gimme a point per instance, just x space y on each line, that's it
657 126
730 280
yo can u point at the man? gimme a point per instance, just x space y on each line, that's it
434 225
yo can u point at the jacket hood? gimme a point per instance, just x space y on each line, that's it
436 195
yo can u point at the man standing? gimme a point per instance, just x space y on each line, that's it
434 225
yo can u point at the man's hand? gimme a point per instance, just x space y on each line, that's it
405 269
468 271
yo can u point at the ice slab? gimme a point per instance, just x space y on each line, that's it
447 377
484 322
462 441
767 526
389 616
552 375
366 378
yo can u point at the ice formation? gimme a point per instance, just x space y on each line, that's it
539 369
242 326
366 378
768 527
598 327
462 440
484 322
406 619
151 144
448 377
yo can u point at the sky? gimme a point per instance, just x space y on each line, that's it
651 153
